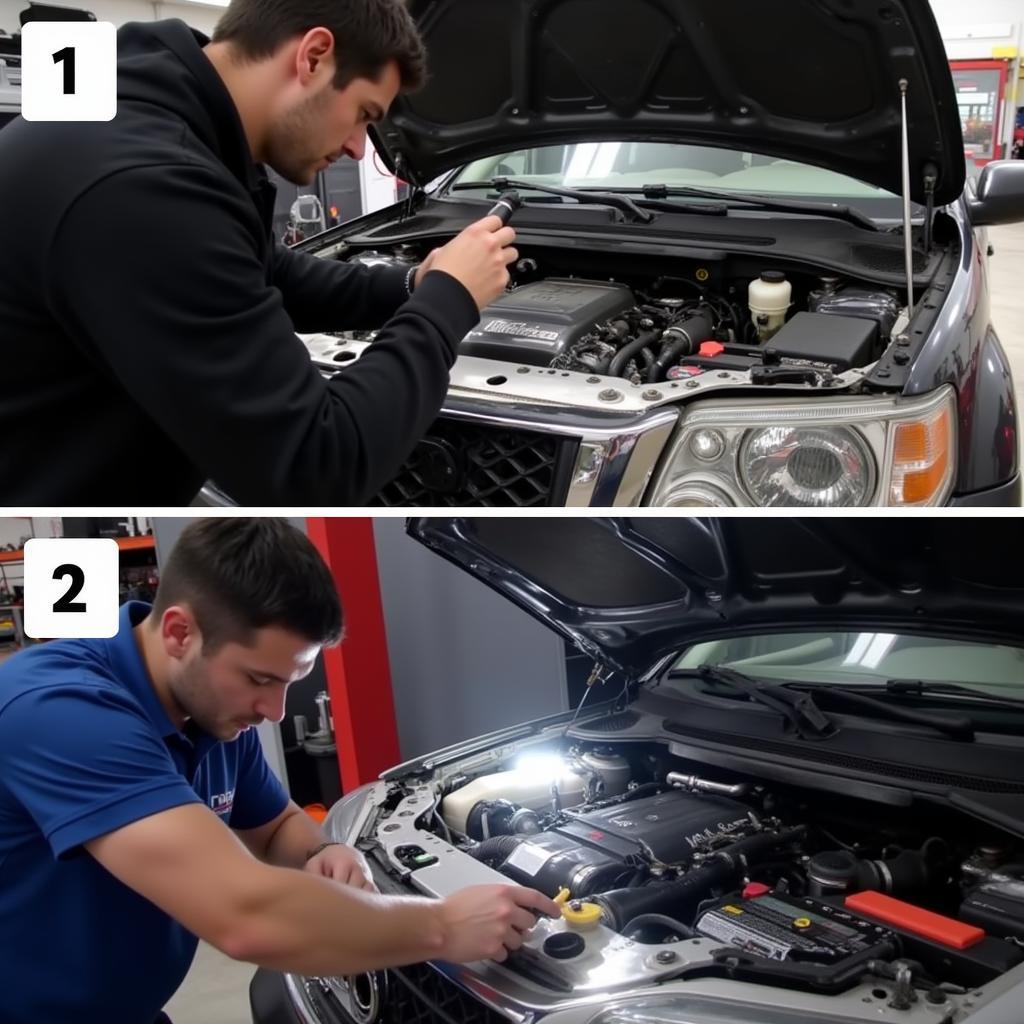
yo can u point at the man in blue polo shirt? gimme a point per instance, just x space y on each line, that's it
137 812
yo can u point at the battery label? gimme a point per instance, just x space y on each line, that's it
730 929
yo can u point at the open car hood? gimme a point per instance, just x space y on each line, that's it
630 591
810 80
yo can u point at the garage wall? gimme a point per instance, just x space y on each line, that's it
118 12
464 661
974 30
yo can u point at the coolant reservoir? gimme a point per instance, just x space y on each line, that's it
769 297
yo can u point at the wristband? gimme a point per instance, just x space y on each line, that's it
317 849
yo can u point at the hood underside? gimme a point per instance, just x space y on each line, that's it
815 81
631 591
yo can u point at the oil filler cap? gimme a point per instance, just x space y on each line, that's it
564 945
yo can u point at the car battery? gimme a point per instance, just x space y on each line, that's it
781 927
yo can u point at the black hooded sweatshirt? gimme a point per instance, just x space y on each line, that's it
147 316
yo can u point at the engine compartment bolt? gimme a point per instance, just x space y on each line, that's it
901 358
651 396
523 369
593 380
692 384
665 956
903 341
610 395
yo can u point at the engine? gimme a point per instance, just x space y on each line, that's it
676 856
672 328
596 850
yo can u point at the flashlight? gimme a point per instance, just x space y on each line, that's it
505 207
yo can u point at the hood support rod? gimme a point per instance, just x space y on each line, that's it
908 242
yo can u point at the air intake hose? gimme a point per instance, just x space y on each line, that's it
680 898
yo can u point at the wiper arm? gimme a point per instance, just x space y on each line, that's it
616 201
919 688
958 727
799 708
837 210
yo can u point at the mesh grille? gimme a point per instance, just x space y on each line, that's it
414 995
930 776
466 464
421 995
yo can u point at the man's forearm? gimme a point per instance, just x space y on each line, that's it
313 925
296 837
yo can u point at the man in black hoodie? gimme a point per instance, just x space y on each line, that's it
147 316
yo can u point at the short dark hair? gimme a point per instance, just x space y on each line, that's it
367 34
239 575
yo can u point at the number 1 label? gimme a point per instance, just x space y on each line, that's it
68 71
71 587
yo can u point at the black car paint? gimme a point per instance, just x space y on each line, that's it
962 349
545 72
633 592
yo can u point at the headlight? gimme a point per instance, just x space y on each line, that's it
817 467
812 453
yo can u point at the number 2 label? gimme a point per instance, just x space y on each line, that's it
71 587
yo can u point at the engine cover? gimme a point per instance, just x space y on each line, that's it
537 322
613 847
668 828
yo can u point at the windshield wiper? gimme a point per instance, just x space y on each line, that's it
617 202
836 210
959 727
799 708
919 688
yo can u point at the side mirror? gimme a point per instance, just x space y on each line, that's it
1000 195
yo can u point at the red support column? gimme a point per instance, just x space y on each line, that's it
358 671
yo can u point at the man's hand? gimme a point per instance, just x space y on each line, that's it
344 864
478 257
490 921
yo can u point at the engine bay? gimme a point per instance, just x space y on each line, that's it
661 867
722 314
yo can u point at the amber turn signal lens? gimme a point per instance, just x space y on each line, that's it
922 459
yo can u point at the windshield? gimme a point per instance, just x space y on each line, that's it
614 165
864 658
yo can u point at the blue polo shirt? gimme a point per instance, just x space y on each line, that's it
86 748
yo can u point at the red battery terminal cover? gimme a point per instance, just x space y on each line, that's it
710 348
945 930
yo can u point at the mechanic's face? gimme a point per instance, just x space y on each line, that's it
328 123
241 685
